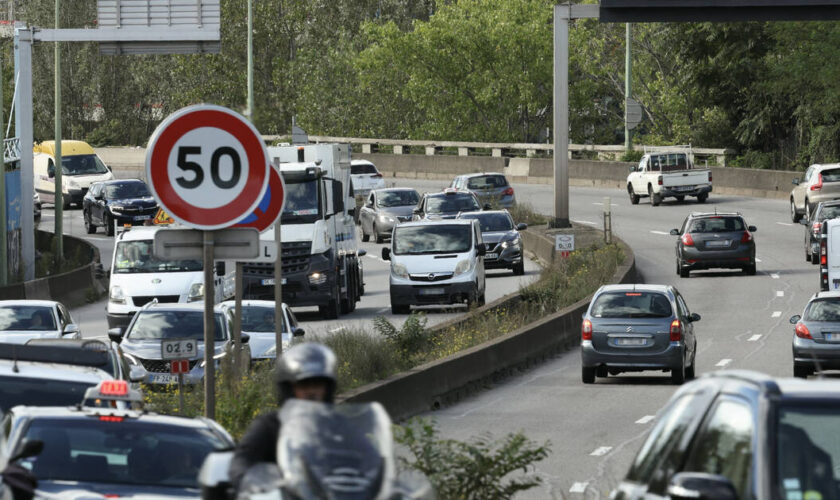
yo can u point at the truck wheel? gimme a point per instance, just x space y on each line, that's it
701 198
815 258
634 198
680 198
655 198
348 304
332 309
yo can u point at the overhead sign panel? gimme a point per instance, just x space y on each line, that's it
640 11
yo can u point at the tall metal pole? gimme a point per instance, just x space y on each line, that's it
251 60
209 327
4 260
278 290
562 13
23 126
628 86
237 317
59 199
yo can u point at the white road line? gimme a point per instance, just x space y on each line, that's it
780 293
776 314
754 337
660 232
585 222
723 362
784 223
601 204
374 257
774 276
603 450
645 419
579 487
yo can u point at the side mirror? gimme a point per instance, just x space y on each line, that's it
220 268
795 319
71 329
694 317
481 248
213 475
386 253
138 373
753 229
795 181
30 448
298 332
633 168
701 486
804 221
245 338
675 232
116 334
521 226
362 252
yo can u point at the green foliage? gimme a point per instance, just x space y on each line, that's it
91 295
524 212
362 357
481 468
409 339
632 156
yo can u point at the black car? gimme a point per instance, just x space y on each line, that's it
715 240
446 204
813 223
502 238
124 201
740 434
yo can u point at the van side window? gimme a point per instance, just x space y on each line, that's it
50 168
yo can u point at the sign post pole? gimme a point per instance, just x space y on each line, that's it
278 292
181 394
209 334
237 318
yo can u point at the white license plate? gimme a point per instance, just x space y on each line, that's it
142 217
685 188
831 336
431 291
491 256
717 243
164 378
270 281
631 342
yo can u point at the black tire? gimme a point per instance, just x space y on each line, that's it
481 300
701 198
601 372
750 270
655 199
109 224
333 309
690 372
65 204
348 303
678 374
793 215
519 269
801 371
634 198
680 198
684 271
379 239
400 309
587 375
89 227
815 259
365 236
807 256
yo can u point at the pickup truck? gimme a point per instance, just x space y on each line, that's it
661 175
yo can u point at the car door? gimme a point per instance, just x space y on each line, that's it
799 191
368 213
95 204
479 265
637 176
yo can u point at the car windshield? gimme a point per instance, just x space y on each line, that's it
631 305
487 182
82 165
126 190
432 238
259 319
451 203
120 451
829 212
24 391
807 451
823 310
301 201
716 224
137 257
31 318
491 222
363 168
157 325
396 198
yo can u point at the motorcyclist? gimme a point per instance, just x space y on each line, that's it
305 371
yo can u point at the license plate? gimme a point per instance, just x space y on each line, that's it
685 188
631 342
164 378
831 336
717 243
142 217
270 281
431 291
491 256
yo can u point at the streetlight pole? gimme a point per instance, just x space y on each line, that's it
251 60
628 86
4 261
59 199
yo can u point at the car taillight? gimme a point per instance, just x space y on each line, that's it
110 418
802 331
508 191
746 237
823 254
710 177
687 240
818 185
377 176
676 331
586 330
659 180
816 228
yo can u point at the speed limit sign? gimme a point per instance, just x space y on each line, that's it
207 166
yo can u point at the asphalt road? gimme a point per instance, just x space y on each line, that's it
595 430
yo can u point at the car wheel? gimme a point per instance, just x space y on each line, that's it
683 271
801 371
701 198
89 227
678 374
481 300
601 372
793 215
587 374
690 372
365 236
332 309
400 308
680 198
519 269
815 259
807 256
634 198
379 239
655 199
65 204
750 270
109 224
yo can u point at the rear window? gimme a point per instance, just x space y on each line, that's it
448 203
716 225
487 182
491 222
829 212
823 310
40 392
831 175
631 305
364 168
667 162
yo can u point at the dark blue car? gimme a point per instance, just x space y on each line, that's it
123 201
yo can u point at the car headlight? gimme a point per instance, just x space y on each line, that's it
115 295
386 218
196 292
463 266
317 278
216 357
399 270
512 243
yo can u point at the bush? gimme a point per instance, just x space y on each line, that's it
524 212
362 357
632 156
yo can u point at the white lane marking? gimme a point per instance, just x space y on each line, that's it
757 260
774 276
645 419
784 223
603 450
585 222
754 337
374 257
776 314
723 362
661 232
579 487
780 293
601 204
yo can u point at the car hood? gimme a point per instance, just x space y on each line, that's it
72 490
150 349
20 337
405 211
145 202
262 342
498 236
441 215
431 263
85 180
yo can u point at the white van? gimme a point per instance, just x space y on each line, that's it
830 255
138 277
436 262
80 168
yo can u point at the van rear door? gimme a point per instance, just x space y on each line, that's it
833 253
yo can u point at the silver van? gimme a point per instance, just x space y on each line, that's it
436 262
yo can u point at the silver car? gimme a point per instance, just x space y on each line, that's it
820 183
816 339
630 328
385 208
492 188
258 324
22 320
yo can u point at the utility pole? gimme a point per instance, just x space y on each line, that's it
4 261
59 198
251 60
628 87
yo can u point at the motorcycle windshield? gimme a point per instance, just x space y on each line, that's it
335 451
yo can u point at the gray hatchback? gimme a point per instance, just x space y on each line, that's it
630 328
816 339
715 240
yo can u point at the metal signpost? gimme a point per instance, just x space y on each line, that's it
208 168
179 353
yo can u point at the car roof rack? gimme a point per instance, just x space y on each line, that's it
764 382
65 355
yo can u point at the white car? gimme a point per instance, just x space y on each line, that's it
22 320
365 177
258 323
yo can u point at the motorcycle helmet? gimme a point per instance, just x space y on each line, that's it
306 361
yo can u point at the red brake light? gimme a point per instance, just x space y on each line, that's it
802 331
676 331
710 177
586 330
816 227
508 191
632 294
376 176
114 388
110 418
746 237
659 180
823 260
688 240
818 185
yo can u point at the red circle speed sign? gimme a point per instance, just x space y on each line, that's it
269 207
207 166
